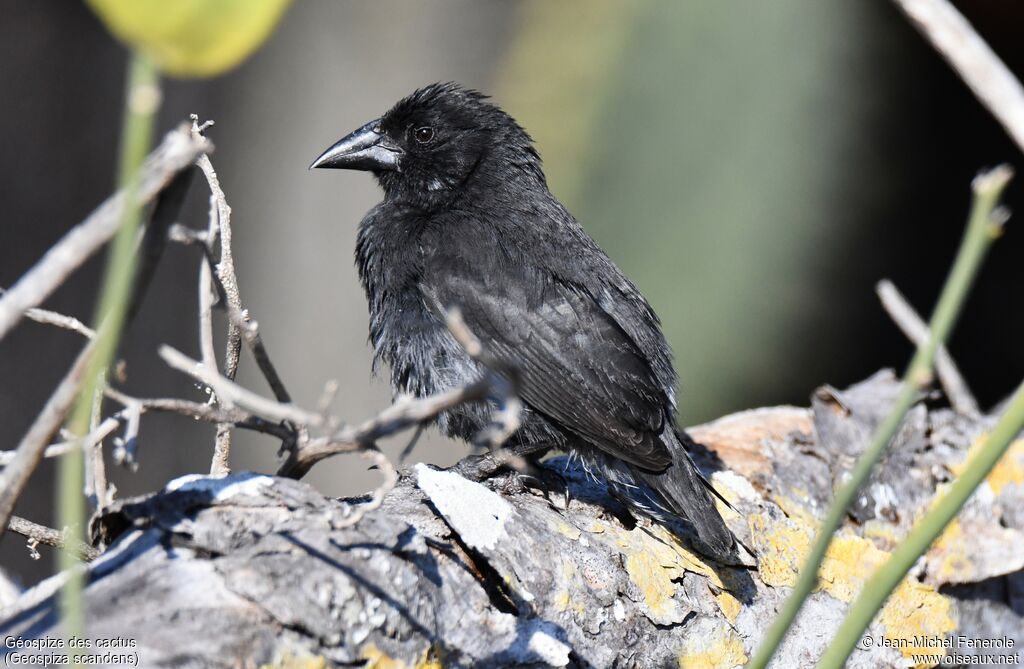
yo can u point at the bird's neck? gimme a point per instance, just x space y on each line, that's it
498 180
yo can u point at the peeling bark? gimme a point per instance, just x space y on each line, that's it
252 570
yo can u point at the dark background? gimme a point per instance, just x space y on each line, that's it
755 167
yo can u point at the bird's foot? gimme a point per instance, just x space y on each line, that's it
477 468
547 482
513 475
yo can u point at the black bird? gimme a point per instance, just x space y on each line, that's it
468 221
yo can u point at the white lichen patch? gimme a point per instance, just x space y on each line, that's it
479 515
221 488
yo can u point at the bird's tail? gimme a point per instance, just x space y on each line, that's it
679 493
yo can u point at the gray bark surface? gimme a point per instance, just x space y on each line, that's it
253 571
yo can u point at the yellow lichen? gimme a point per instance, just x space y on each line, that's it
431 659
950 556
781 547
719 650
561 600
915 611
795 509
654 560
848 564
288 660
729 605
567 530
673 554
882 533
655 586
378 659
1009 469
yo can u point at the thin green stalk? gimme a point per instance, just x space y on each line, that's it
924 532
141 101
981 231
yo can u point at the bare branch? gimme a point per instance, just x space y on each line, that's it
47 317
209 357
222 444
503 425
227 288
226 267
226 388
403 414
980 68
204 412
916 330
407 451
32 446
409 411
506 420
499 381
96 487
178 150
182 234
102 431
52 451
60 320
323 405
251 333
222 275
40 534
377 496
126 447
239 318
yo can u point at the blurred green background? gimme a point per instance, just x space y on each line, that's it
754 167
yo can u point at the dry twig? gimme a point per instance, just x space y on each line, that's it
178 150
498 381
403 414
236 394
980 68
47 317
916 330
40 534
52 451
227 284
240 326
200 411
32 446
96 487
377 495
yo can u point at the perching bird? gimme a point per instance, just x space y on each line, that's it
468 221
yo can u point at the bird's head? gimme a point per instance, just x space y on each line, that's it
437 143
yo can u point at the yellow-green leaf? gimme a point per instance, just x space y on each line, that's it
192 38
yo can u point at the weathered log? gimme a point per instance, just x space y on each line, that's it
252 570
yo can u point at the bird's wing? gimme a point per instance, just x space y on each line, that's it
577 366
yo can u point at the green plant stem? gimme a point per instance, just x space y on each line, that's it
877 590
141 102
981 231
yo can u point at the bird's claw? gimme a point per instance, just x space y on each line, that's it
546 481
486 468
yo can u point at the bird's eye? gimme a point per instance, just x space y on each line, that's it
424 135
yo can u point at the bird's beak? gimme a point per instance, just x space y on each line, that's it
365 149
